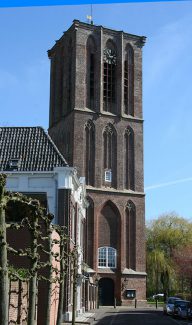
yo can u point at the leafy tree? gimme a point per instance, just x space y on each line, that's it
75 279
164 235
22 212
183 261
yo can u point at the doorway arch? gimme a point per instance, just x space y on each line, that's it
106 292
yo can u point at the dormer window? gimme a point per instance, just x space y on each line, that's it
14 164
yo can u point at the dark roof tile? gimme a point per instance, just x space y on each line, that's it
28 149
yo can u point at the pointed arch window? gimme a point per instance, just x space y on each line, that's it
91 49
89 152
109 77
110 156
129 81
129 159
130 235
53 89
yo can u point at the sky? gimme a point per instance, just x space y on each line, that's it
27 33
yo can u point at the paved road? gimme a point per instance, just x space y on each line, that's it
122 316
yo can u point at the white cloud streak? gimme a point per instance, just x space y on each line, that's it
183 180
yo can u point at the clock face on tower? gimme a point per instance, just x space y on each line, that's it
109 56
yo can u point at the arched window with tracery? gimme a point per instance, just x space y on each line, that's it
89 152
129 159
130 235
109 77
90 78
129 81
109 232
109 155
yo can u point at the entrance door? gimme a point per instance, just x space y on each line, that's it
106 292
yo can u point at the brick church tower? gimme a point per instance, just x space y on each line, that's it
96 121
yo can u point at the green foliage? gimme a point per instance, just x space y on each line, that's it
21 273
169 232
2 183
164 235
152 302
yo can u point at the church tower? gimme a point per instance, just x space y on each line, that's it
96 121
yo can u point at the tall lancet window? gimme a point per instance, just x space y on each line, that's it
109 77
90 78
53 89
129 159
130 228
89 153
110 155
129 81
69 83
61 82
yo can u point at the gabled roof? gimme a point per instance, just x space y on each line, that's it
28 149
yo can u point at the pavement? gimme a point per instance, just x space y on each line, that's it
89 317
93 316
148 315
85 318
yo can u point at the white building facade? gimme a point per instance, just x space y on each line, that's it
35 167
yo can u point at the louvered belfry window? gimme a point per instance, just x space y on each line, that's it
90 77
126 86
109 79
129 82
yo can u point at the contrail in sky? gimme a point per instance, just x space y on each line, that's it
183 180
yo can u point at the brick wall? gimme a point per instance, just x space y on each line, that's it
137 283
18 302
103 229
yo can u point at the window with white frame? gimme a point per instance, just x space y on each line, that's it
73 224
108 175
107 257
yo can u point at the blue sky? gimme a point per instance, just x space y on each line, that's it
27 33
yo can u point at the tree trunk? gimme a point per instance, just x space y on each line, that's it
157 282
33 280
62 283
75 262
3 260
32 300
48 309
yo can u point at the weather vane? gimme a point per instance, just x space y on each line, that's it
90 17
